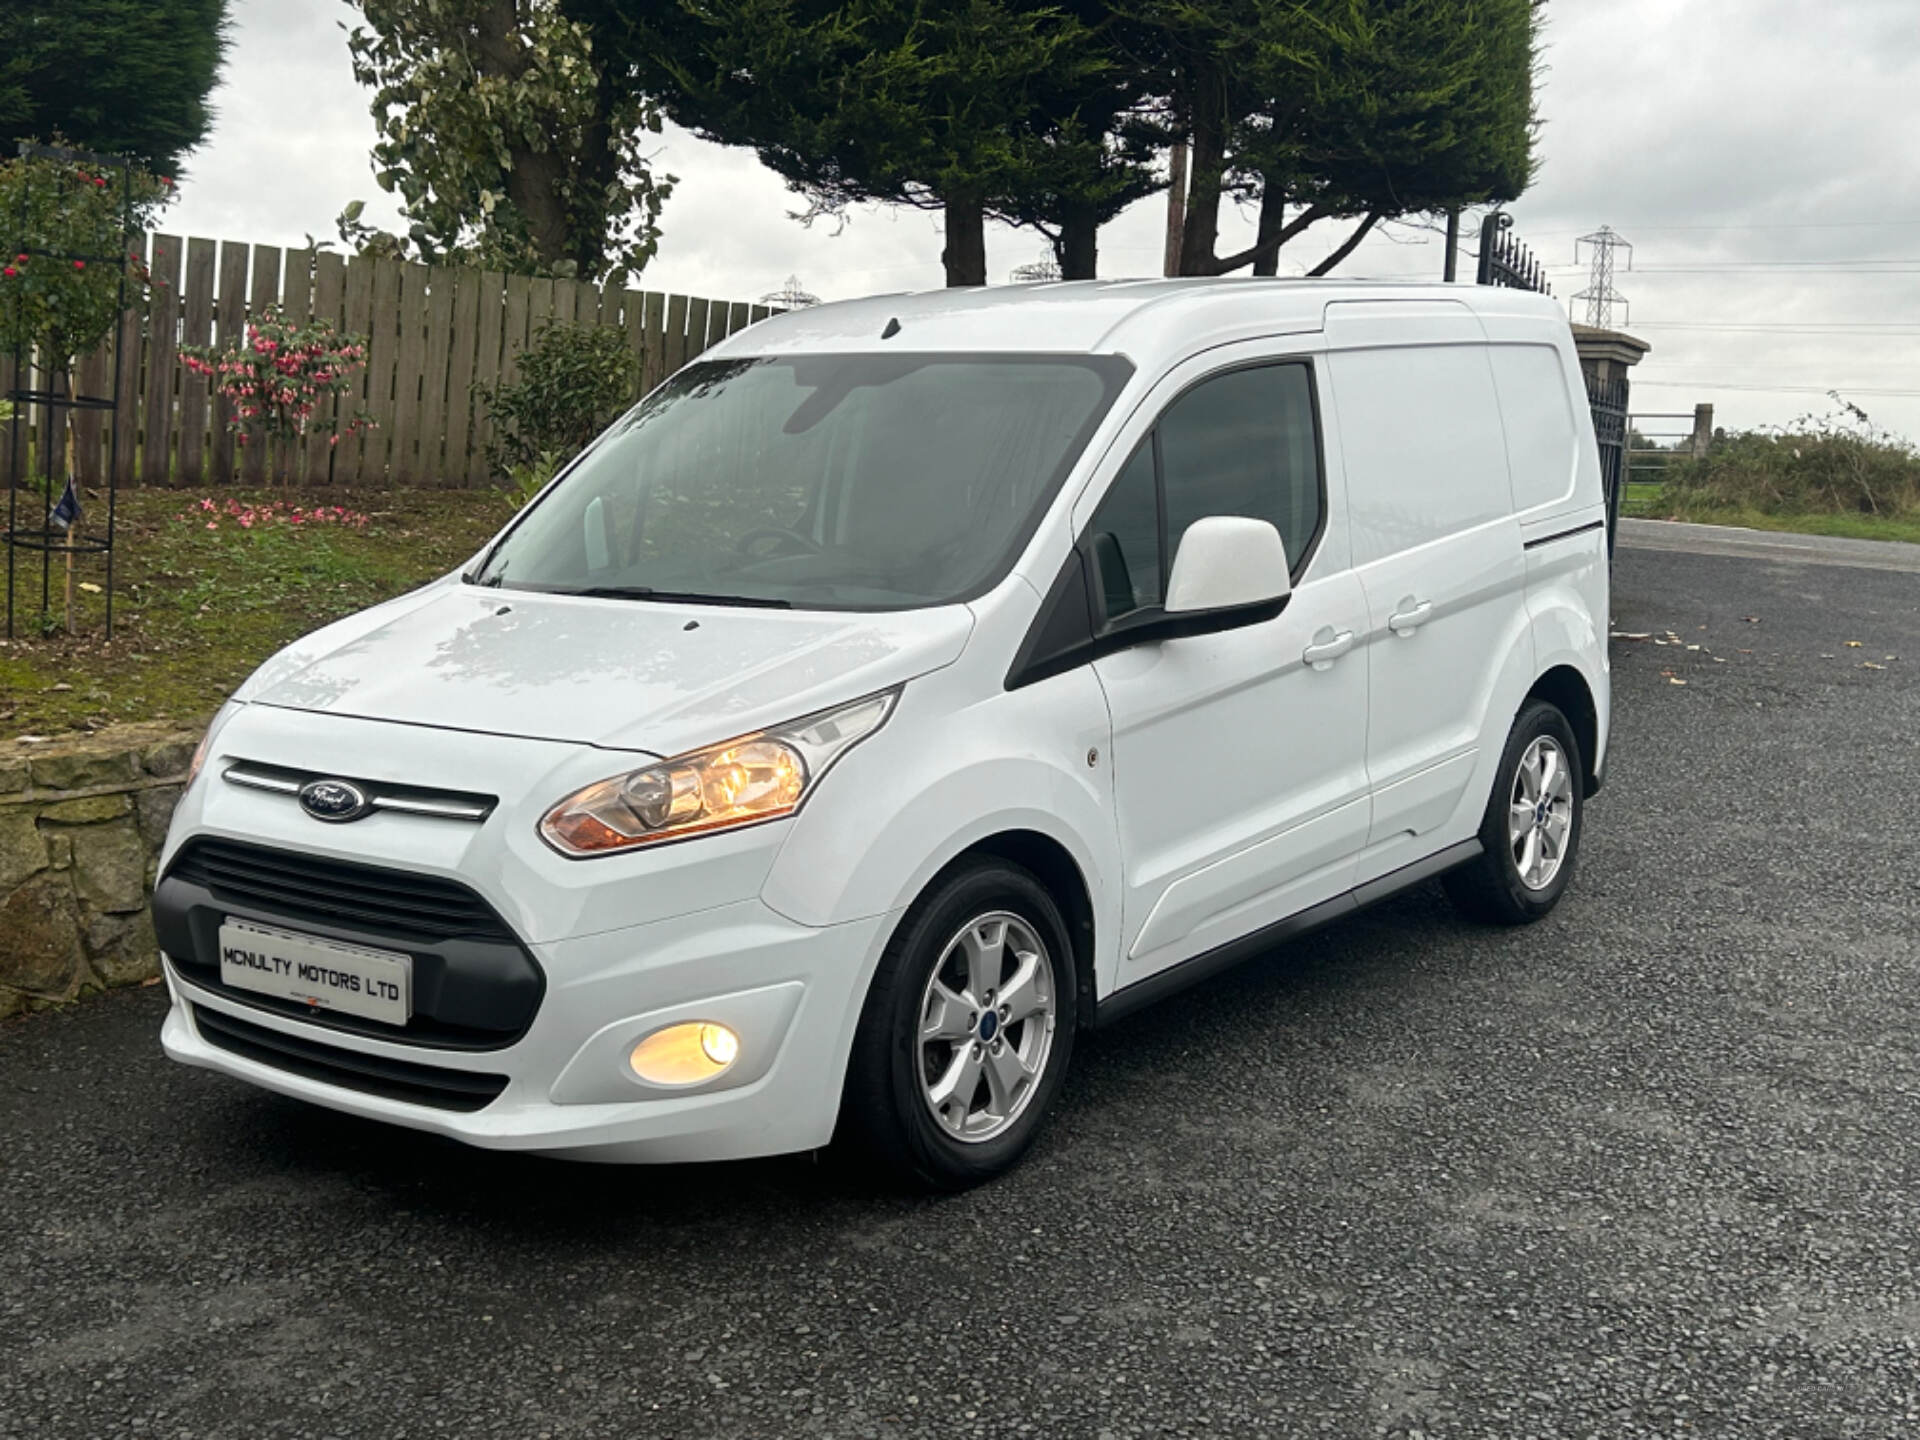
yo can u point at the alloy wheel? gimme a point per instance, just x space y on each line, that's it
987 1020
1540 813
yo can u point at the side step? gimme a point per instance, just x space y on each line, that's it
1142 993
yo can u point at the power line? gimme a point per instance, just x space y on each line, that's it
1640 384
1784 326
1764 225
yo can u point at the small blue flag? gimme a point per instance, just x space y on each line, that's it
67 513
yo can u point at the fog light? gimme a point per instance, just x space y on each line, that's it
719 1044
685 1054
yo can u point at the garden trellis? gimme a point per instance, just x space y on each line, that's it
58 223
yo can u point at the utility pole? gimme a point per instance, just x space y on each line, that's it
1453 244
1176 206
1600 295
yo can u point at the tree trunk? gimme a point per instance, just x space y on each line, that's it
1209 143
1269 244
1347 246
1079 243
1176 205
965 255
1273 219
534 177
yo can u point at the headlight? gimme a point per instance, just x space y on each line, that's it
752 778
214 727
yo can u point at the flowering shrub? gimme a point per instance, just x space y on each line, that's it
277 375
52 208
211 513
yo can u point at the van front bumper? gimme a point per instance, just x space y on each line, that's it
791 992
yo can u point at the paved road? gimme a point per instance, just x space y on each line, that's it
1650 1168
1769 545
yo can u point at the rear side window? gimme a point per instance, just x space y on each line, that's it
1538 418
1424 452
1242 443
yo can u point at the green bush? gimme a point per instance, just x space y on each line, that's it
574 379
1838 464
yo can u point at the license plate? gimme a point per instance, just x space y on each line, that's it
320 974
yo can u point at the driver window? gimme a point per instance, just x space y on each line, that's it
1239 443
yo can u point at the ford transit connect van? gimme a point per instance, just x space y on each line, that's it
901 688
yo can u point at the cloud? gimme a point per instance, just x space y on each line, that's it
1712 133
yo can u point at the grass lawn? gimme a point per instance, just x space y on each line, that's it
1647 502
200 599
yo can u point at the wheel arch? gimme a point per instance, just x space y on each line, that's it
1054 866
1566 689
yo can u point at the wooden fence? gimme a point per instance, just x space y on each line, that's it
433 333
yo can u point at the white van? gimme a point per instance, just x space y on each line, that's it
900 688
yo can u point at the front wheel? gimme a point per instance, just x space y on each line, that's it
1530 835
966 1031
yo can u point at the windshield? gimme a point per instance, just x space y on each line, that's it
858 482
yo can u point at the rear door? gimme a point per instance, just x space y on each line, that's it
1437 551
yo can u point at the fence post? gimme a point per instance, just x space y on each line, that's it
1702 431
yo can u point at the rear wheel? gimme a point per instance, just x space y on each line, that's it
1530 835
966 1032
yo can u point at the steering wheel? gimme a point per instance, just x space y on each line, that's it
745 544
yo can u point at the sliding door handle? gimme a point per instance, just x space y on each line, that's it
1327 647
1410 616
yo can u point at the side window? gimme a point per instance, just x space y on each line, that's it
1242 443
1123 539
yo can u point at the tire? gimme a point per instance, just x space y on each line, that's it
993 914
1494 888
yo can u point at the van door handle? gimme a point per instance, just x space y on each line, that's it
1327 647
1410 617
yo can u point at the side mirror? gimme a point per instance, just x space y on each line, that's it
1227 562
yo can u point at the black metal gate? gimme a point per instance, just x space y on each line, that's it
1608 399
1504 261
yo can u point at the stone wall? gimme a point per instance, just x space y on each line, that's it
81 826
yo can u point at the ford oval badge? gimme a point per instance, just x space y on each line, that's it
334 800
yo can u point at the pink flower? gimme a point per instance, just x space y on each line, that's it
79 264
213 524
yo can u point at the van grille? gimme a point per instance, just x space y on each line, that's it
340 892
349 1069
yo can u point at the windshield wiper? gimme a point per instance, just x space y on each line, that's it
677 597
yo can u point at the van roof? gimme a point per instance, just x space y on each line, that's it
1145 319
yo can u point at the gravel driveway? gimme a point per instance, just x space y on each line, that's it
1649 1168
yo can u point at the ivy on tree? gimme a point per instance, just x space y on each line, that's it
503 140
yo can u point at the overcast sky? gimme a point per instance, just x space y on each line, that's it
1762 155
